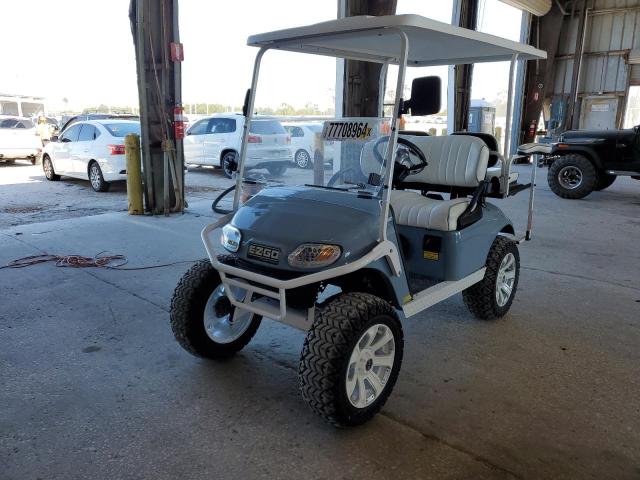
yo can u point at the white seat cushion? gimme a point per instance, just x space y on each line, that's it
414 210
454 160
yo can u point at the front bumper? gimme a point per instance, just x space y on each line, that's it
271 292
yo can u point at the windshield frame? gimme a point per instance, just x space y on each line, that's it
393 137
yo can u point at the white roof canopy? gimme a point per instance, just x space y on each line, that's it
375 39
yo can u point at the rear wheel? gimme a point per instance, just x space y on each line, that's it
572 176
229 163
605 181
96 179
351 358
303 159
203 320
492 297
47 168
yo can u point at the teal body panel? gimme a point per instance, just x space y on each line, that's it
443 256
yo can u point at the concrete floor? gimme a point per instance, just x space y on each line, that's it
92 384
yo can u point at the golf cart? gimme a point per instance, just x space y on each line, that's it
399 224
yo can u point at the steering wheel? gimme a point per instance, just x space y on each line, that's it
403 164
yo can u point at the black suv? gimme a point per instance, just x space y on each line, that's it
586 160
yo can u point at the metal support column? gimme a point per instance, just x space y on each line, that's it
362 90
465 14
154 25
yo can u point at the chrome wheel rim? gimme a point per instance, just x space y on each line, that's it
302 159
570 177
94 176
505 279
370 365
48 169
225 323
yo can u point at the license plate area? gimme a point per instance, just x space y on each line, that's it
263 253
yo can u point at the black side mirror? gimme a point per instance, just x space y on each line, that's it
54 138
425 96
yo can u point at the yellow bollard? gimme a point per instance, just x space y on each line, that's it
134 174
498 134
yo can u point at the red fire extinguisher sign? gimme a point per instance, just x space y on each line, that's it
177 52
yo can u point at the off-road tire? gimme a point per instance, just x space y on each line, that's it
98 183
338 325
480 298
187 309
51 175
604 181
584 165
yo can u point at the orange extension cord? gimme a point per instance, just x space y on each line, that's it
101 260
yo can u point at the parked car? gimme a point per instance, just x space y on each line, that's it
92 150
216 141
19 139
68 121
586 160
304 139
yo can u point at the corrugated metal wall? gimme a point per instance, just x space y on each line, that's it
612 29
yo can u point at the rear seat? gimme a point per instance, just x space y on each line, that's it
455 161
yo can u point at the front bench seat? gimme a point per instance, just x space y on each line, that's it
414 210
454 161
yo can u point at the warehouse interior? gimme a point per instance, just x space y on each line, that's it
95 385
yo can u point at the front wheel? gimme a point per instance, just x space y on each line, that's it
96 179
47 168
572 176
492 297
203 320
351 358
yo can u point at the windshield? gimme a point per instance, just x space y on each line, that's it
342 154
266 127
122 129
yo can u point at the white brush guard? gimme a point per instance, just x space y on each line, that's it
272 292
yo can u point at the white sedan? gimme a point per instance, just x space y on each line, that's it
92 150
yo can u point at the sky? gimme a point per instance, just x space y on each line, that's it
82 51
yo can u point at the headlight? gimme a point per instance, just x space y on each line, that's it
230 238
310 255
